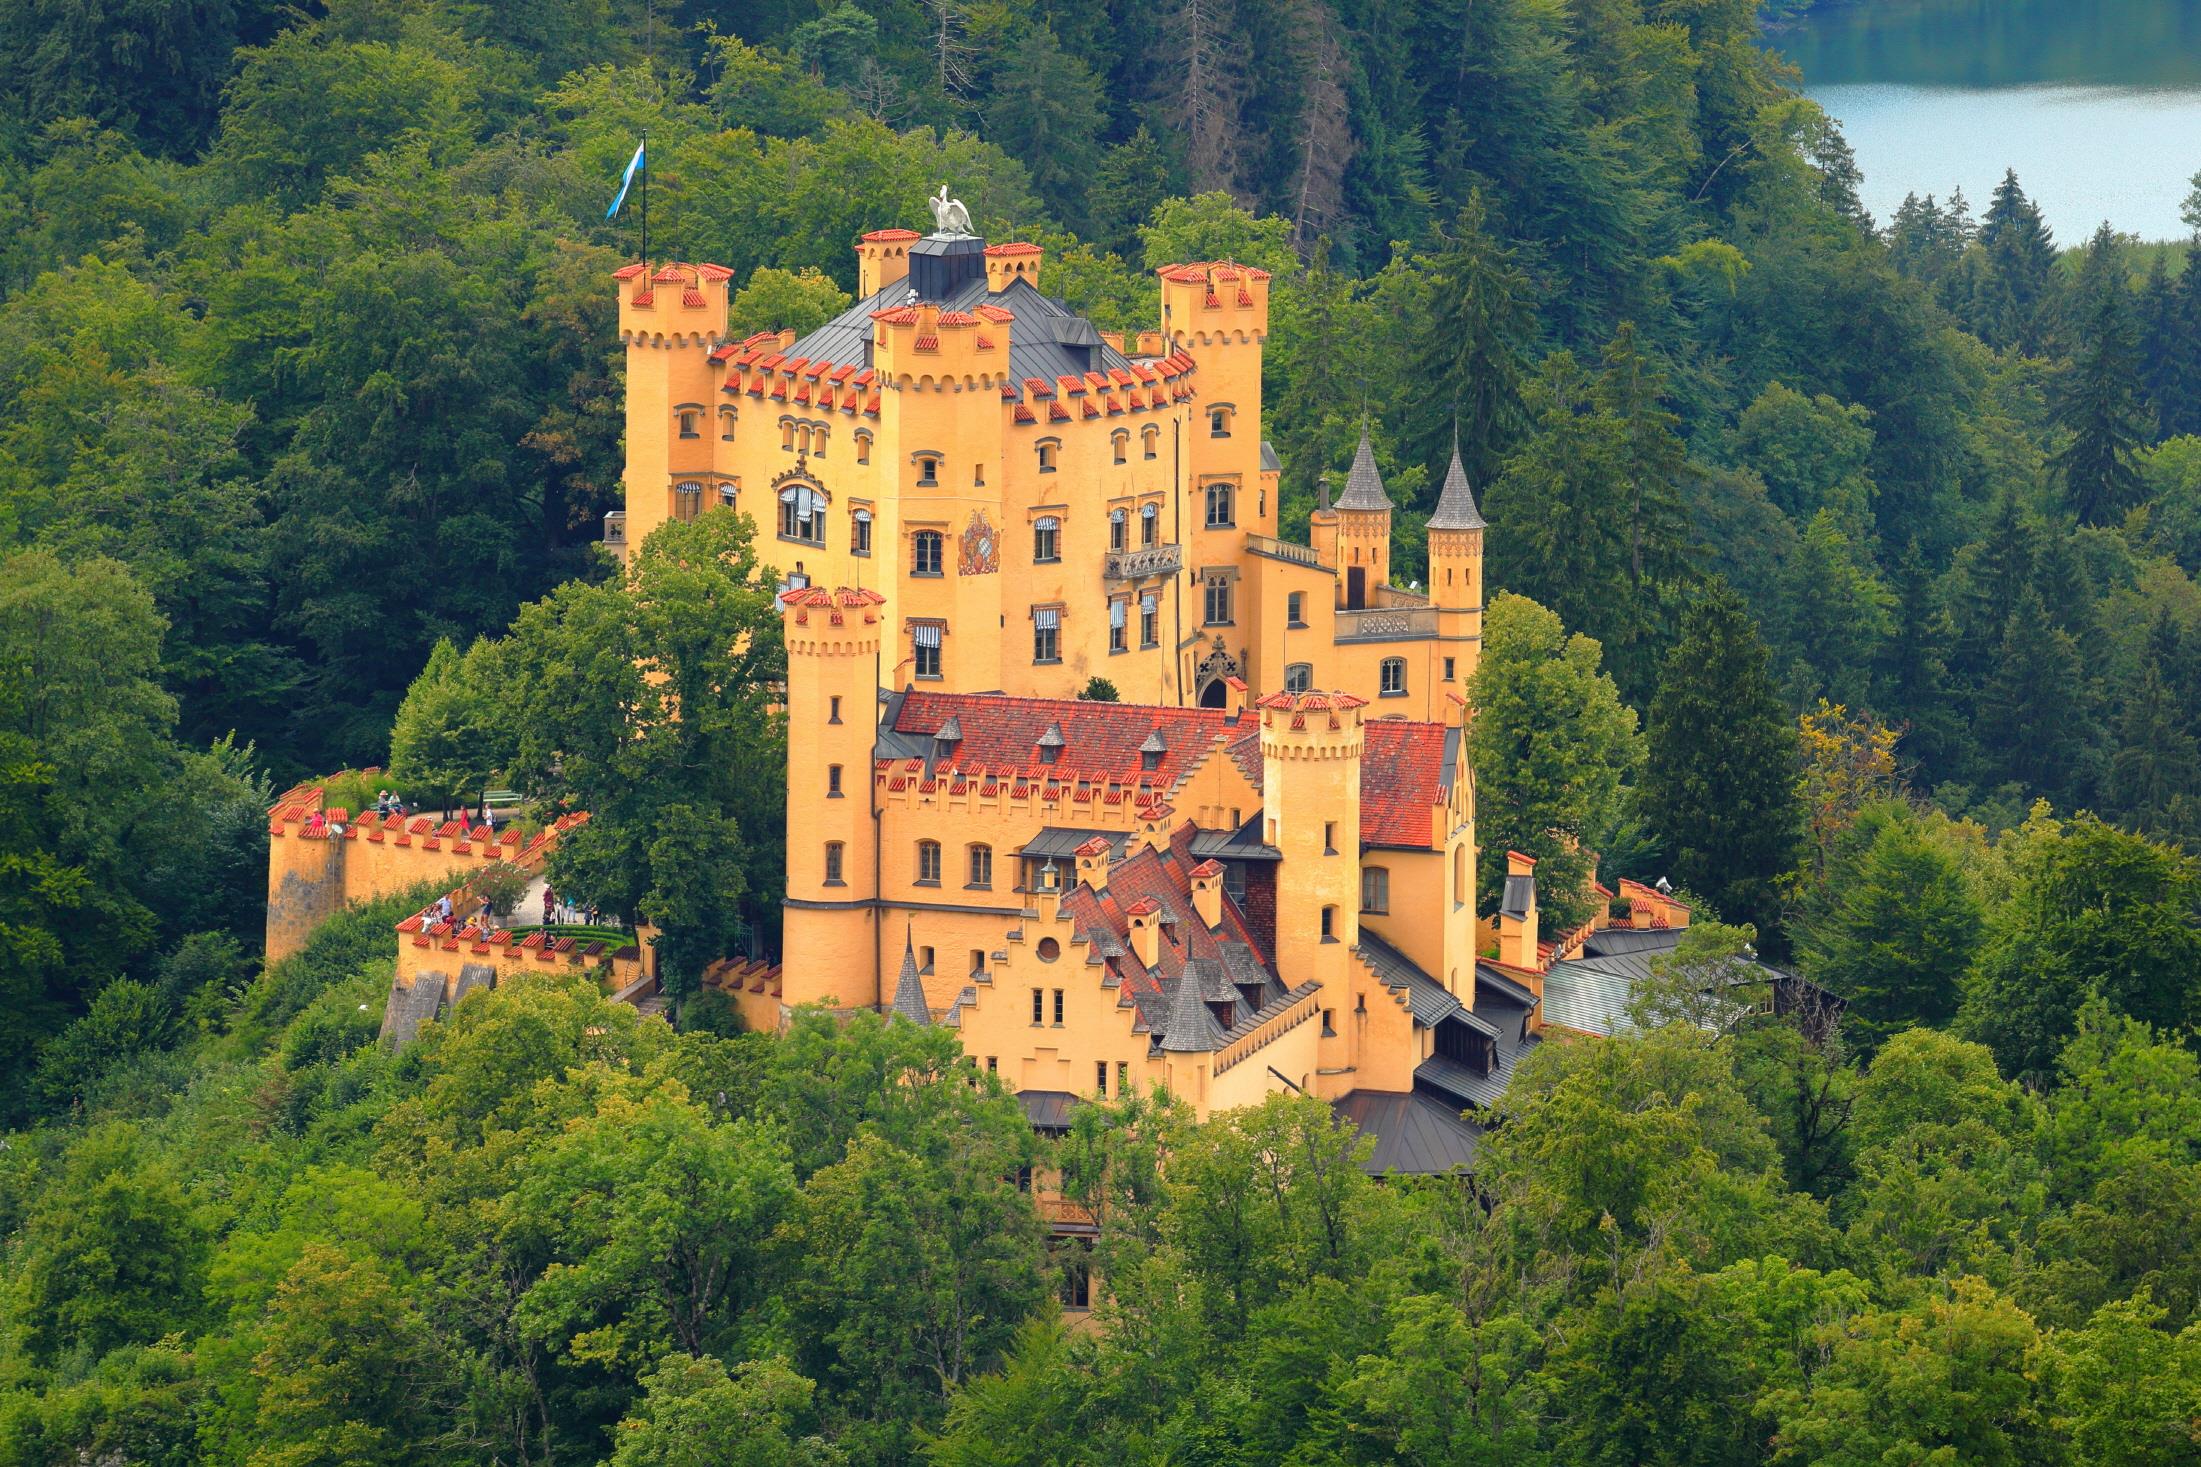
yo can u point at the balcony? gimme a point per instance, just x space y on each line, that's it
1148 560
1277 549
615 530
1387 624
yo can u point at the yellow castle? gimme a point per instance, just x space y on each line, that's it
1041 503
1257 871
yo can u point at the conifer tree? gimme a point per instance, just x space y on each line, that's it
2155 775
2097 396
2018 285
2025 721
2166 353
1914 673
1472 347
1719 782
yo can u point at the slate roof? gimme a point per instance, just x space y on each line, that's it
1430 1002
1415 1133
1363 485
1407 767
1502 1006
1193 966
1519 893
1456 505
1048 1110
1048 340
909 989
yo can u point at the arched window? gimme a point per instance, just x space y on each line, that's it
1046 539
1299 677
726 496
928 469
1047 457
859 532
726 417
1218 506
687 500
787 434
833 863
1120 443
982 867
1218 422
925 552
1394 677
863 447
1119 529
1150 524
928 862
1375 889
818 434
802 515
1149 439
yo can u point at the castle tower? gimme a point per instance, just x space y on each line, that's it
830 947
1363 529
1219 311
1456 567
1310 799
939 447
671 322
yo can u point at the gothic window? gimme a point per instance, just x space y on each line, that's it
928 862
982 866
1216 600
1119 529
802 515
1150 524
926 552
1299 677
833 863
1394 677
1218 506
859 532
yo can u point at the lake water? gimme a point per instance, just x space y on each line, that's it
2096 103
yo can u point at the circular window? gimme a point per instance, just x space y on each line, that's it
1049 949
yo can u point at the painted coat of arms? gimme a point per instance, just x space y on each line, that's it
981 555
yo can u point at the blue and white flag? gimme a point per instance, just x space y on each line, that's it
626 180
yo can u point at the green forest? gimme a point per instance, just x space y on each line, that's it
1847 572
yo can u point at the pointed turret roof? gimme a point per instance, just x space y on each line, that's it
1363 485
1190 1027
1456 505
909 989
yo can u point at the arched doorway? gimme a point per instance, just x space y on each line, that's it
1215 693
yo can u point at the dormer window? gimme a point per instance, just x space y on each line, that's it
1050 744
1150 752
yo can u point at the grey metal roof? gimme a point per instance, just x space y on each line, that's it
1052 738
950 732
409 1008
1363 485
1520 894
1155 743
909 989
1608 941
1242 844
1047 339
1048 1110
1592 994
1059 841
1415 1134
1456 505
1270 463
1490 980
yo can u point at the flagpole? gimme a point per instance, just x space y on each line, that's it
645 201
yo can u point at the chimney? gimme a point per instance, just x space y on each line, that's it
1092 860
1235 705
1207 892
1146 931
1517 934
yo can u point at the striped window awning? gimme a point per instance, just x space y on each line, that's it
926 633
1047 618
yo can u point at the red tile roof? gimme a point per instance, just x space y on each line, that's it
1163 879
1401 780
1100 740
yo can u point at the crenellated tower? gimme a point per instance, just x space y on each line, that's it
828 939
671 321
1310 803
1219 311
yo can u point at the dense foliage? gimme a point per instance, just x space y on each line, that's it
1859 555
